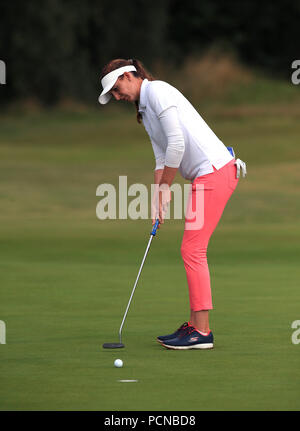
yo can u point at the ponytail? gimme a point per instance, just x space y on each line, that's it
144 74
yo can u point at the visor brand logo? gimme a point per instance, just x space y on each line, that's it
2 332
2 72
296 74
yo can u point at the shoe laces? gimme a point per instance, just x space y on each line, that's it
183 326
187 330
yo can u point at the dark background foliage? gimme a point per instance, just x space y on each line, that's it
56 48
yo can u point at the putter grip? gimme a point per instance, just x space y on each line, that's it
155 226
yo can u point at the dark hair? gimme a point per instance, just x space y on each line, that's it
141 72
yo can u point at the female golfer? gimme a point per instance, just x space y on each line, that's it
181 140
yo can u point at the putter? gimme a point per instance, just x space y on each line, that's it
120 344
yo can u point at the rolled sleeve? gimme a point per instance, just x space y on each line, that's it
171 126
159 155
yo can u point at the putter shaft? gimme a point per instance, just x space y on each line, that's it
153 233
133 290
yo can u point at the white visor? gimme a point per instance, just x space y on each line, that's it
109 80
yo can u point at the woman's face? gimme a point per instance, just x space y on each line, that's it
127 87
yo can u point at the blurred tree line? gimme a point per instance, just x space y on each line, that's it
56 48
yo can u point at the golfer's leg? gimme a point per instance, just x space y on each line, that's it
193 251
217 191
200 320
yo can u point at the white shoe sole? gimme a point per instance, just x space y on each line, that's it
202 346
159 341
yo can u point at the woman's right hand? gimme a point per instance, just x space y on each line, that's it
155 211
160 203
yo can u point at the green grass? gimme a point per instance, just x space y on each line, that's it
66 276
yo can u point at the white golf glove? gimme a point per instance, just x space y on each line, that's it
240 165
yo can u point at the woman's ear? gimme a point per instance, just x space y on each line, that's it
127 75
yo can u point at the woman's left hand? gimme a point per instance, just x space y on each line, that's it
164 200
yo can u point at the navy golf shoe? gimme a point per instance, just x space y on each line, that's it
175 334
190 339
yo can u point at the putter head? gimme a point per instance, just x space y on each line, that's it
113 345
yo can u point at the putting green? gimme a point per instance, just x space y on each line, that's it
66 276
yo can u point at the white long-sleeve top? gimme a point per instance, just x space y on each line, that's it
180 137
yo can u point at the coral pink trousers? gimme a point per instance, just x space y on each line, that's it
208 198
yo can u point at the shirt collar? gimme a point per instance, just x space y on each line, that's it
142 104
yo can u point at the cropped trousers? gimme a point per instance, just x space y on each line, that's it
208 197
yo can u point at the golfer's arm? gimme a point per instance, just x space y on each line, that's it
165 176
168 175
157 175
171 126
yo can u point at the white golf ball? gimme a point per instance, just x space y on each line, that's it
118 363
